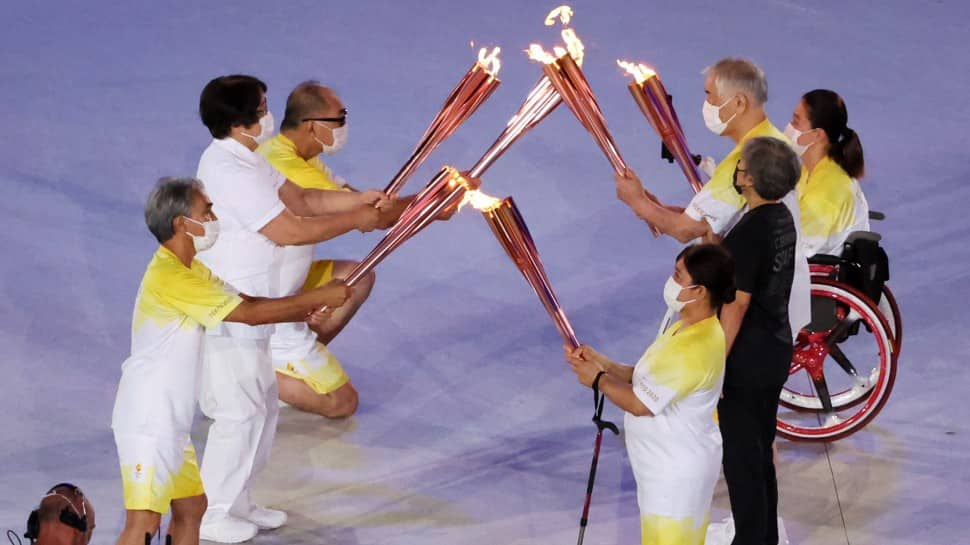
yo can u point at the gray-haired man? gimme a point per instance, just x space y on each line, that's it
159 384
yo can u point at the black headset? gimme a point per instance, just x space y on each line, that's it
69 516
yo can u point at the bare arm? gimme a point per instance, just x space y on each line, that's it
669 219
289 229
732 315
615 388
317 202
262 310
621 394
622 372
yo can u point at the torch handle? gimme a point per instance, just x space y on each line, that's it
541 101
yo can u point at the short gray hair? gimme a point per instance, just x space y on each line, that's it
171 198
772 165
740 76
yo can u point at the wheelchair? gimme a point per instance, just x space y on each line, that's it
844 361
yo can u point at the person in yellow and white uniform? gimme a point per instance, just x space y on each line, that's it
310 378
736 92
262 213
669 399
159 385
832 203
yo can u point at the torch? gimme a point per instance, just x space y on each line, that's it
445 191
565 75
508 226
651 96
475 87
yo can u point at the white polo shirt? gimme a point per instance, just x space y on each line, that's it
244 189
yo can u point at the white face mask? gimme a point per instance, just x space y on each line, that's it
712 117
793 135
204 242
266 127
672 292
339 140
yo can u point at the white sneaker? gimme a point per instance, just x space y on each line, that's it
266 519
224 528
720 533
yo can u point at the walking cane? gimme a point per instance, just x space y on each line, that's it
601 424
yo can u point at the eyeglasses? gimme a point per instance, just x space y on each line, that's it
340 121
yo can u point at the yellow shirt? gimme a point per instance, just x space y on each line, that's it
718 202
827 199
159 381
280 152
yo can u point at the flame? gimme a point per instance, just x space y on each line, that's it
574 45
563 13
639 71
480 201
490 61
537 53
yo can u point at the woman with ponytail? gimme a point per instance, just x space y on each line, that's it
832 204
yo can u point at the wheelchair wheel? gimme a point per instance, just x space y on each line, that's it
843 367
889 309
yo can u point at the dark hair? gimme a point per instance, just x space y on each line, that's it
711 266
171 198
230 101
306 100
826 111
772 165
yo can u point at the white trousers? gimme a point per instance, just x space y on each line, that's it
239 393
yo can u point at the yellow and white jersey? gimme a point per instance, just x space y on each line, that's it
718 202
160 380
832 206
280 151
676 454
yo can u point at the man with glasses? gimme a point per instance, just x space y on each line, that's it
310 378
262 212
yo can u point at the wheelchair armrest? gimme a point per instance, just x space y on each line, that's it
825 259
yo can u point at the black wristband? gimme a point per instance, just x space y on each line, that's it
596 381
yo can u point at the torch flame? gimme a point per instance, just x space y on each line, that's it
639 71
563 13
490 61
480 201
574 45
537 53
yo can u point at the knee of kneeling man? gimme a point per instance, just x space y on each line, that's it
346 402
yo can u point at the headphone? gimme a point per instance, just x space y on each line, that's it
70 516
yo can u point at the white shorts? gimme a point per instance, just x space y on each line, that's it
157 470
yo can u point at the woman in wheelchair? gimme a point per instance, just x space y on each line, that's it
844 362
831 203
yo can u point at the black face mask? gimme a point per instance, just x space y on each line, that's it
734 181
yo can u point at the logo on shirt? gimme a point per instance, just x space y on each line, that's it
138 475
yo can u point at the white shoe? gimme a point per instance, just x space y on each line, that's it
266 519
224 528
720 533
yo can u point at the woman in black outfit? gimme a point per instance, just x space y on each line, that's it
758 336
